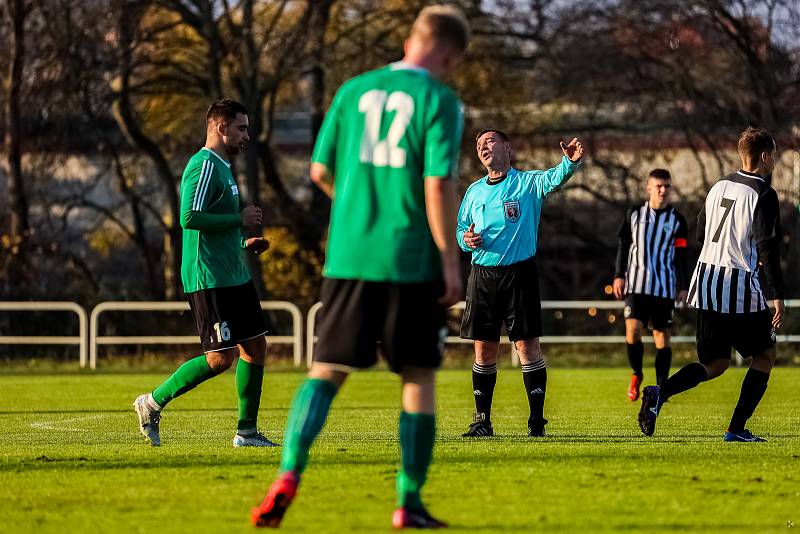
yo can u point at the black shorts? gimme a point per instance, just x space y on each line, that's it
647 308
226 316
504 294
406 319
747 333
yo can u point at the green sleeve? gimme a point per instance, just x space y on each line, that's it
199 184
325 146
443 137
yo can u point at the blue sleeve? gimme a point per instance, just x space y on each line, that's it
545 182
464 220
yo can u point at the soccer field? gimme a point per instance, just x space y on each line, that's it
73 461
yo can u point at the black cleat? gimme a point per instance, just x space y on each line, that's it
649 410
404 518
536 428
480 427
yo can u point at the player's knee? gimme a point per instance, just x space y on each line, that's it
633 336
221 361
718 367
255 350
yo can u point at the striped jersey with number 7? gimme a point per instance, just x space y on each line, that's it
739 227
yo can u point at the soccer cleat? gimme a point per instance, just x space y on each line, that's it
634 387
536 428
279 496
743 436
253 440
148 420
649 410
406 518
479 428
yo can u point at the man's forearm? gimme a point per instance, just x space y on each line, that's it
440 205
209 222
322 178
769 258
621 261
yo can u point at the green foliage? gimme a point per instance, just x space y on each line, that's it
73 460
291 272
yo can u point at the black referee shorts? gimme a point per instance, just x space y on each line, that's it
503 295
226 316
406 319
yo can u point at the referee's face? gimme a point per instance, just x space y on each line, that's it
493 151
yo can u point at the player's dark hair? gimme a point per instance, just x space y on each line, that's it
753 142
501 133
660 174
224 109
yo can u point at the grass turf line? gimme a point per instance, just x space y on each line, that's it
71 458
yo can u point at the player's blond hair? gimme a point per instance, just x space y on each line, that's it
443 23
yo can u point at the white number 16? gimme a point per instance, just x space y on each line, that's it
223 332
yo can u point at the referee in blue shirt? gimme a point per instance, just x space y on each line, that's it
498 223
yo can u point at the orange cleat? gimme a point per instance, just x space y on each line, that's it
633 389
278 499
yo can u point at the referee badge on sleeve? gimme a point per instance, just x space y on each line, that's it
511 209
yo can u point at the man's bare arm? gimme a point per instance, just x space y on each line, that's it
323 178
440 205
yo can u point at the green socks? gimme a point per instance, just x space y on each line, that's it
248 387
417 433
306 418
187 377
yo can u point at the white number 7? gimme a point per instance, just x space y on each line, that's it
384 152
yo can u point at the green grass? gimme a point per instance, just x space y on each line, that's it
71 459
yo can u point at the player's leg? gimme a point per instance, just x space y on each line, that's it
413 338
417 436
534 377
637 314
714 353
307 416
249 379
662 329
482 322
635 351
349 325
663 353
757 338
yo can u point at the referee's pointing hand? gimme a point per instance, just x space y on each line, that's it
472 239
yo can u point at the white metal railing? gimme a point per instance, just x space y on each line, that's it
311 319
296 339
73 307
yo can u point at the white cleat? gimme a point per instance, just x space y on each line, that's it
253 440
148 420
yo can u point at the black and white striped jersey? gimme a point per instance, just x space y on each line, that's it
739 227
651 255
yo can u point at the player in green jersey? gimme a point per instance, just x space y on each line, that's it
385 153
218 285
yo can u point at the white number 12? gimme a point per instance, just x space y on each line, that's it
384 152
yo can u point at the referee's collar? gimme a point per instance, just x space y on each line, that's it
501 180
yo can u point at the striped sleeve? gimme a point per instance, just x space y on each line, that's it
199 188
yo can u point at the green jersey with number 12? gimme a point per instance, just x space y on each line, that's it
385 132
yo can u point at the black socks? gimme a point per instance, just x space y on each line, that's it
484 377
